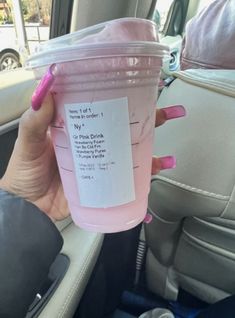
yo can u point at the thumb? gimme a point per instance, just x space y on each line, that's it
34 125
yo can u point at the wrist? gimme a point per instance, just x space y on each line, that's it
2 185
5 186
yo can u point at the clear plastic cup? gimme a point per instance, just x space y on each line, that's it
105 94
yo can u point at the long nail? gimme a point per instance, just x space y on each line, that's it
168 162
148 218
42 89
175 111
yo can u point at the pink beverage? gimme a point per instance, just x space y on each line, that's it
105 92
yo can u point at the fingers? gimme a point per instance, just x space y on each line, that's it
33 138
162 115
167 113
33 125
162 163
43 88
35 121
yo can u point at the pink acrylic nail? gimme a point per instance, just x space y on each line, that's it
168 162
148 218
175 111
42 89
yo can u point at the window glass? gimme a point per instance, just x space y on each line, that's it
160 13
36 21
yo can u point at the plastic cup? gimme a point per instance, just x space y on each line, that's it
105 95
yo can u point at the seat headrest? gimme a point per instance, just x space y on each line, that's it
210 36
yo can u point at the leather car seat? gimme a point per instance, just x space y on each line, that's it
191 240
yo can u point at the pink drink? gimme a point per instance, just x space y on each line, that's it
105 112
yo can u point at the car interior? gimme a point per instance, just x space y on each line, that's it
184 259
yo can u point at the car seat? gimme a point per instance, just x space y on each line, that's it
191 240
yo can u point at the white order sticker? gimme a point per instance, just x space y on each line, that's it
100 139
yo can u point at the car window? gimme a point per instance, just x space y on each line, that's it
160 13
163 7
36 16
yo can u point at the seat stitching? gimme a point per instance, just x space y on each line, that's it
192 189
212 248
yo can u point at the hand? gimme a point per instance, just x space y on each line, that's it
32 172
162 115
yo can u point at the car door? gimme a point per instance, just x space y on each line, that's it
68 276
